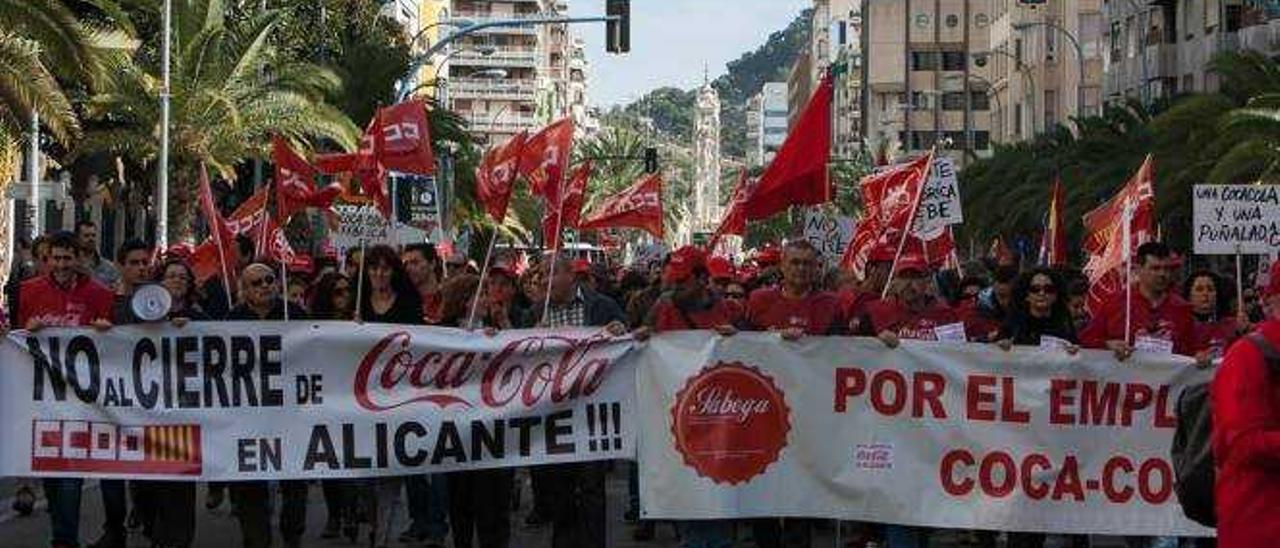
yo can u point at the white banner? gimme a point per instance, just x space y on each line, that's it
830 234
274 400
939 200
1232 219
930 434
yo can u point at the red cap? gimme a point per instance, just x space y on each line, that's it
720 267
769 255
502 269
683 263
912 262
1273 285
179 251
581 266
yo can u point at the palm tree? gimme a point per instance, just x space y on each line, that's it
231 90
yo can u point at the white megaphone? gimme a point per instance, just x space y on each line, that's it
151 302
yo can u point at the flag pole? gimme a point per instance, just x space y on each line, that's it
1239 285
360 281
1128 269
555 251
484 272
906 231
284 287
217 241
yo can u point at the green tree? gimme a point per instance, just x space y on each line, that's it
231 90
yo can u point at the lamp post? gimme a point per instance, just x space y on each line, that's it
1079 55
33 174
1026 76
162 185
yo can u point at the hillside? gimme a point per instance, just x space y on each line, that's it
670 110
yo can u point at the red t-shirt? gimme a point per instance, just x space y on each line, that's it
666 317
818 313
854 304
894 316
86 301
1245 398
1214 336
1169 320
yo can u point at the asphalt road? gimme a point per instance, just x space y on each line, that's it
218 529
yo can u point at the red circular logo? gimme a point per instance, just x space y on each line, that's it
730 422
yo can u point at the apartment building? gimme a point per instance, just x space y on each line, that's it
1159 49
767 120
920 87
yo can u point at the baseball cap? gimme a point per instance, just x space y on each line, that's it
684 262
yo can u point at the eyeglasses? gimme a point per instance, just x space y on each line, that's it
1042 290
735 295
262 282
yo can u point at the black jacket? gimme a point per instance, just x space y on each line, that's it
244 313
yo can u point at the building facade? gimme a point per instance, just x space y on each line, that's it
1155 50
919 86
767 123
504 80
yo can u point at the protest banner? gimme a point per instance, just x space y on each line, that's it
278 400
1232 219
830 234
939 201
963 436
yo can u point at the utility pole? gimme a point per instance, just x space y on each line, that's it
1079 56
162 185
33 175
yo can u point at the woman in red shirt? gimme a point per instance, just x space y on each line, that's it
1214 326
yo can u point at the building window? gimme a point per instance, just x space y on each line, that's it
920 101
979 100
953 100
981 140
925 60
954 60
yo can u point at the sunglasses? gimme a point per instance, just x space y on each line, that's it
1042 290
735 295
262 282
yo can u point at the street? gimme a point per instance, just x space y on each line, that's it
218 528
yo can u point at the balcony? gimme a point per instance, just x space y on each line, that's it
482 122
503 57
487 17
478 88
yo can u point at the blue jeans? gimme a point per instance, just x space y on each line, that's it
428 505
64 509
717 533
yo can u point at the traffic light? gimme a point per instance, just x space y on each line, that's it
618 31
650 160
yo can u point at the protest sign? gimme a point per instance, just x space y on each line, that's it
234 401
1230 219
930 434
416 201
830 234
939 201
359 222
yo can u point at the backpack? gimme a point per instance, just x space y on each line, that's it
1192 451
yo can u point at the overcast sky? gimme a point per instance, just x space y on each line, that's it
671 40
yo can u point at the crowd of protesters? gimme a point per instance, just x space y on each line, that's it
788 289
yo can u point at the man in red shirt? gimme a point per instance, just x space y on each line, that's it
691 304
1245 399
64 297
1158 317
912 309
795 308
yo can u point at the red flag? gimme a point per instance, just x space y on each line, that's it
639 206
1053 245
496 176
798 174
252 212
735 219
220 234
889 200
364 164
295 179
1105 265
206 263
545 157
406 145
565 210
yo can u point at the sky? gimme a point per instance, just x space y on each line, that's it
671 41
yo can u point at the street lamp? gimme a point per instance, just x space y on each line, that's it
990 93
1146 22
1026 75
1079 55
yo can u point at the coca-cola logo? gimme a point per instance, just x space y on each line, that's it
552 367
730 422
